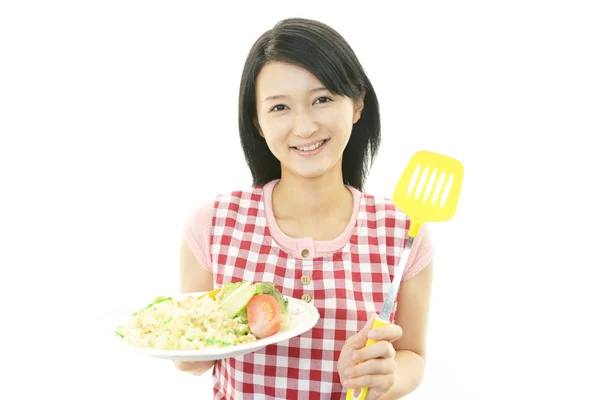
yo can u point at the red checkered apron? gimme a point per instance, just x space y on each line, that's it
346 287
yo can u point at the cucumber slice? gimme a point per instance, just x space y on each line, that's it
237 301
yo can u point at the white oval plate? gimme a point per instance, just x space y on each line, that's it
303 317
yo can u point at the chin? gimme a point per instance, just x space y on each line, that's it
311 173
315 175
312 170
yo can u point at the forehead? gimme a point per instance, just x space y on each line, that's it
277 78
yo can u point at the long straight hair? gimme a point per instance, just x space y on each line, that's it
321 50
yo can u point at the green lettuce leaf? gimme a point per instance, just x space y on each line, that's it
227 289
271 288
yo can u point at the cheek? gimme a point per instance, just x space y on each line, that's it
340 123
275 133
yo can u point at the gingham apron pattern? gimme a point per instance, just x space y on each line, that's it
347 287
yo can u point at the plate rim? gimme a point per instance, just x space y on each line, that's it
221 352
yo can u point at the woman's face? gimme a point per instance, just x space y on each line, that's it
305 126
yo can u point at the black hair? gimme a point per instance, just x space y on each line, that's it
321 50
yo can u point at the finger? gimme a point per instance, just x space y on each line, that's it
377 383
359 339
187 366
371 367
382 349
369 324
198 372
390 333
373 394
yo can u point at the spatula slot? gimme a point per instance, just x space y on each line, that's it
413 180
447 190
430 183
438 187
422 182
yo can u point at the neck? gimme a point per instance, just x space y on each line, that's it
300 198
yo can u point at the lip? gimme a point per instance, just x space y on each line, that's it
309 144
311 152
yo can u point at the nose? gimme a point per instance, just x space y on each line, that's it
304 125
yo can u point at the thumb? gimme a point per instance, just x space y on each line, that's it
365 330
360 338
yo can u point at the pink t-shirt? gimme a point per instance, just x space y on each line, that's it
198 229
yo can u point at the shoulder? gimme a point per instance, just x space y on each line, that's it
383 208
384 218
397 224
202 211
233 200
200 223
243 196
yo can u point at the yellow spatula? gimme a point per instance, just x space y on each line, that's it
427 191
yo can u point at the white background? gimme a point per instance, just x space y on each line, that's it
118 117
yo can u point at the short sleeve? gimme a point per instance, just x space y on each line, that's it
421 254
197 233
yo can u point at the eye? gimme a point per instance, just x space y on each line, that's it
324 99
278 107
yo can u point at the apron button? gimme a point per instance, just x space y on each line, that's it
305 253
306 297
305 279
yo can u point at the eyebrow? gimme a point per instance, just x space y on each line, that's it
280 96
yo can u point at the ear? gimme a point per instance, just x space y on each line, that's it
359 105
257 126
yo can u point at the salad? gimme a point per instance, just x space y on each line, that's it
238 313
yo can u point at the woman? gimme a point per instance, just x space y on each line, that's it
309 126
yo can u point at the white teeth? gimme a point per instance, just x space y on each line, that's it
313 147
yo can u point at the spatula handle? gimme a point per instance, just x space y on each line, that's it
362 394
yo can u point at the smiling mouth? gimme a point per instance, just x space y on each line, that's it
312 147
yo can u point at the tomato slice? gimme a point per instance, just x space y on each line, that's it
264 315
